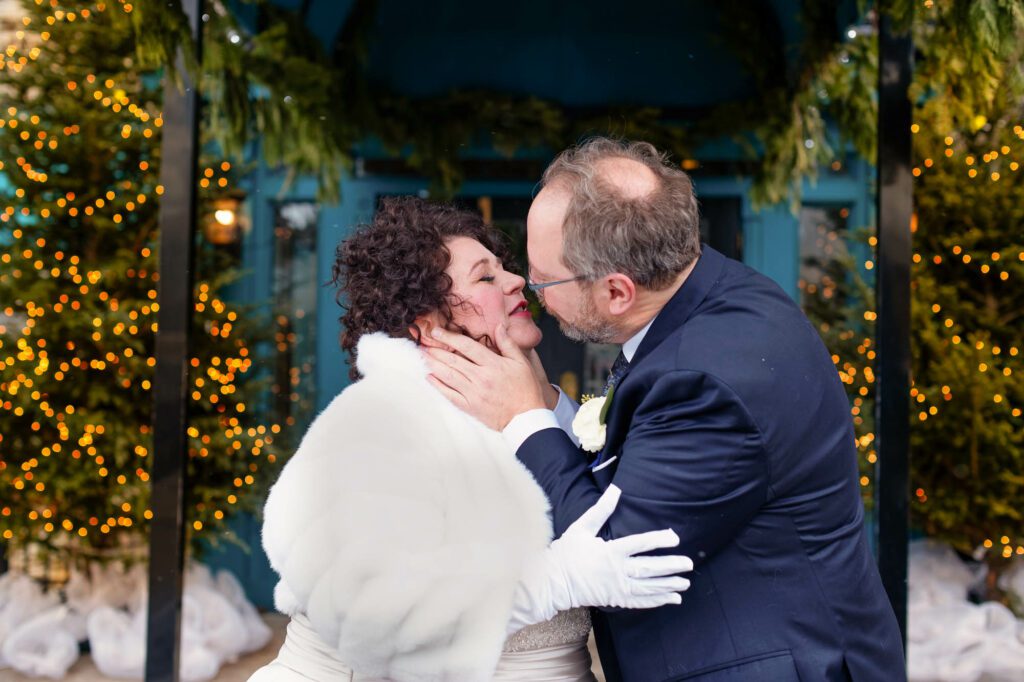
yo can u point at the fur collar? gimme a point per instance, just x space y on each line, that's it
401 525
379 353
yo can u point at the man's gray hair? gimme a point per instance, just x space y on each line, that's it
651 237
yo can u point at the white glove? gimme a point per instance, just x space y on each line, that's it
581 569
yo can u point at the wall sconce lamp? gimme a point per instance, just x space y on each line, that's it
225 222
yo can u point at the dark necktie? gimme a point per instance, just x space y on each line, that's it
618 369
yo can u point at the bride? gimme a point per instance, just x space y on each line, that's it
411 544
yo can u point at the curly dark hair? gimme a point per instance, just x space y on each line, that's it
392 270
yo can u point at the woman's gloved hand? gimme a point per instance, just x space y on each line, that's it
581 569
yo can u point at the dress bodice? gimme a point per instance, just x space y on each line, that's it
567 627
554 651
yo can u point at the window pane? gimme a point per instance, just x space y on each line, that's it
294 300
823 250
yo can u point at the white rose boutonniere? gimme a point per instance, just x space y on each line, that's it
589 423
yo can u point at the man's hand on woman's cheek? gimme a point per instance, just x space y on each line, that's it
492 386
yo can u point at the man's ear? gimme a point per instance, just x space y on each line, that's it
618 292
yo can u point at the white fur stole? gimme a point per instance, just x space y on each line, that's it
400 525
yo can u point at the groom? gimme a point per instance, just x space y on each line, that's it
727 423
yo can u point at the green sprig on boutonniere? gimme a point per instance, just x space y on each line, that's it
603 418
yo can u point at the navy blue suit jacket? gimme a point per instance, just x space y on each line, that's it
732 428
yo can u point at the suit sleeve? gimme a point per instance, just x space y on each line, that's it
693 460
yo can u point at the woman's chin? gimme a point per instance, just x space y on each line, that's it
525 334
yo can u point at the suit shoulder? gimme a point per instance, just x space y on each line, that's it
746 311
697 385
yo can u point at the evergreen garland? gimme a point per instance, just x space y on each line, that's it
310 109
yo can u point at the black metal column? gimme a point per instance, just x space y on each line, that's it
895 204
177 229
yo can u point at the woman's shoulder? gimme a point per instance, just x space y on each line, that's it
393 383
390 423
392 411
371 437
378 354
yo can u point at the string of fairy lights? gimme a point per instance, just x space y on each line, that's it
31 360
989 264
214 385
119 329
125 190
1002 265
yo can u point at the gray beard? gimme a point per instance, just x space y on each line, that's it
587 326
598 332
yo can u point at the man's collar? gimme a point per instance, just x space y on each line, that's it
689 296
630 346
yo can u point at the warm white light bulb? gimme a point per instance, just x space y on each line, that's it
224 216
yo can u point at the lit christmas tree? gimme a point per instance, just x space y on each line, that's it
968 315
967 391
834 298
80 140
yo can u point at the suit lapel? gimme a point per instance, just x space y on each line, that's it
679 308
674 315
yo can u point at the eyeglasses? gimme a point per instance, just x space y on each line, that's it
534 287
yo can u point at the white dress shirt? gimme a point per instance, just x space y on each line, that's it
528 423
